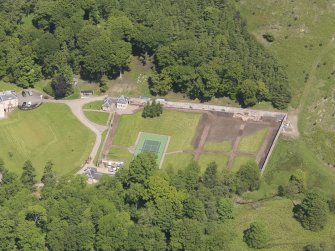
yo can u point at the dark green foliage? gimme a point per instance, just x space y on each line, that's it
103 83
200 48
331 204
49 176
225 209
256 236
210 176
28 175
318 247
152 110
248 177
139 208
61 87
296 185
312 213
186 235
7 177
142 167
269 37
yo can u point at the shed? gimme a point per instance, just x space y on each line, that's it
86 93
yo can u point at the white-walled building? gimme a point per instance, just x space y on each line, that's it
119 102
8 102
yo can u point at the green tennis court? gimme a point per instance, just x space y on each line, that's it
154 143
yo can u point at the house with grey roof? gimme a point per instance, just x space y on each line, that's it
120 102
8 102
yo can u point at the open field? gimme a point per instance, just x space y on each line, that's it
95 105
49 132
170 123
6 86
253 142
100 118
220 159
285 232
241 160
177 161
217 146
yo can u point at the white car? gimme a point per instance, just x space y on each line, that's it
29 104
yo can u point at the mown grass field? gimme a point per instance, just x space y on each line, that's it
49 132
177 161
181 126
121 154
241 160
100 118
220 159
217 146
95 105
253 142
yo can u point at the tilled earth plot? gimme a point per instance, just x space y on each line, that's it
247 138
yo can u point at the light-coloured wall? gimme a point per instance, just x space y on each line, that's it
9 104
2 111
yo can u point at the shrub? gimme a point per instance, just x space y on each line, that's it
312 213
152 110
256 236
61 87
248 177
269 37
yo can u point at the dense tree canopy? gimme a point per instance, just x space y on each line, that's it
140 208
201 48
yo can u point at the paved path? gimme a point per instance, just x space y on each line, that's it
76 106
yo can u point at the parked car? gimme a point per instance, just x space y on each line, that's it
29 104
23 93
24 104
30 93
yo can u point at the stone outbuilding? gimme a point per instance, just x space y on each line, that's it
8 102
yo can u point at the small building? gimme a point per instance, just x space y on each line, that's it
8 102
122 102
118 102
86 93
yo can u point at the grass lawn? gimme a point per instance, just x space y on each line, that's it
177 161
285 232
103 137
181 126
217 146
49 132
8 87
121 154
100 118
95 105
241 160
220 159
253 142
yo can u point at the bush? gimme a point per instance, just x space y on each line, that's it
152 110
248 177
312 213
61 87
48 90
256 236
269 37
